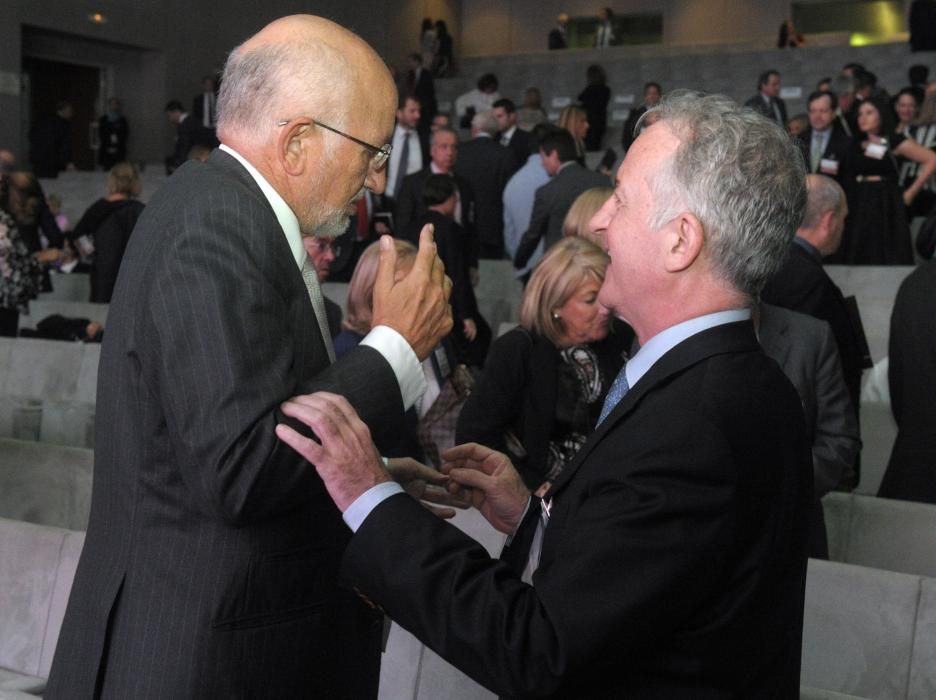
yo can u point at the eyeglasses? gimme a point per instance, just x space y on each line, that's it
380 154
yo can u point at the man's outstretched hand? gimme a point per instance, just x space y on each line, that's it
487 480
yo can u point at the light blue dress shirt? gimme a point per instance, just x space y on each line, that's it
636 367
518 207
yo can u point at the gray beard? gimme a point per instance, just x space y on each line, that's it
332 226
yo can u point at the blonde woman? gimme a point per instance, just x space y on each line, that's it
574 120
104 229
359 306
544 383
585 206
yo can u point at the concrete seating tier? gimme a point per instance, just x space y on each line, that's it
882 533
726 69
498 292
45 484
47 390
69 287
869 633
37 567
42 308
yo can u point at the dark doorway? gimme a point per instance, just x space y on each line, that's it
51 82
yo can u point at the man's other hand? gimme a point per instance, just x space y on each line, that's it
345 458
427 485
487 480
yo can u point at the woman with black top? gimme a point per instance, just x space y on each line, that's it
544 383
878 231
594 99
106 226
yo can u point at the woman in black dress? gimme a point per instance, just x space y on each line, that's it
105 228
594 98
878 231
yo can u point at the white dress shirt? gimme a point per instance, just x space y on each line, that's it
518 207
414 159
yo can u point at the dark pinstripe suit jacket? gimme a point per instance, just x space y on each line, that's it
210 565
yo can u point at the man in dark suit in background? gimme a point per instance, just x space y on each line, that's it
803 285
911 374
669 558
211 559
826 148
558 38
805 349
486 165
419 84
188 133
511 136
205 104
554 199
767 100
443 152
410 150
651 96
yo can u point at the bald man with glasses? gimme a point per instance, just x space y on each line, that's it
210 564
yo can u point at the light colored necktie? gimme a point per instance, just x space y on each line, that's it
403 165
816 155
310 277
617 391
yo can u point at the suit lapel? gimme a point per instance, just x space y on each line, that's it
727 338
773 332
230 167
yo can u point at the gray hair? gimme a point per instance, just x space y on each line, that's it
485 122
442 130
823 195
741 175
268 83
843 85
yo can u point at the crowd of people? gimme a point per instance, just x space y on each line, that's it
634 405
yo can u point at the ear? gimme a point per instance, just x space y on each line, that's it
683 239
292 147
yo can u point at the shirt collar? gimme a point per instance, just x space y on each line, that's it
808 247
284 215
667 339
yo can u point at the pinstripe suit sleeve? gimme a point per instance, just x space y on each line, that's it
231 336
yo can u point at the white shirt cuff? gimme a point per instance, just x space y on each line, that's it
358 511
403 361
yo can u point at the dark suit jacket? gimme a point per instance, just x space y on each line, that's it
486 165
387 201
758 105
454 250
911 472
803 285
556 39
110 242
520 145
805 349
551 203
838 148
674 562
210 564
627 134
410 207
518 393
424 90
188 133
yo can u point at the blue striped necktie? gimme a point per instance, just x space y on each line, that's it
617 391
